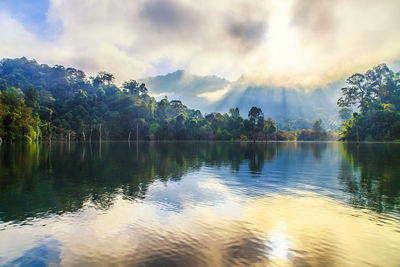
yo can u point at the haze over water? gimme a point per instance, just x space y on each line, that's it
200 204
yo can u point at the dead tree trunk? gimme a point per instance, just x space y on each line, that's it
83 135
90 136
100 133
137 132
129 136
37 134
69 136
358 139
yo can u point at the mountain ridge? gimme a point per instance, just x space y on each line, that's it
280 103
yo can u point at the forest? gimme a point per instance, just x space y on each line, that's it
42 103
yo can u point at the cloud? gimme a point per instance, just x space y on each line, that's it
291 43
315 16
215 95
167 15
315 42
249 33
17 41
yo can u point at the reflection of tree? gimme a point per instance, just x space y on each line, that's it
63 178
256 158
317 149
371 174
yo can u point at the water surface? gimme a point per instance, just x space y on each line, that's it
200 204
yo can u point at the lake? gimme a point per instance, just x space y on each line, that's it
200 204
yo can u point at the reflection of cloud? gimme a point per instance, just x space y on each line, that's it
304 229
47 254
195 189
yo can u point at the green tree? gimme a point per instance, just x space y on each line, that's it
317 125
363 89
32 99
131 86
270 128
377 94
256 119
235 113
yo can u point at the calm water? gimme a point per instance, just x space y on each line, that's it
200 204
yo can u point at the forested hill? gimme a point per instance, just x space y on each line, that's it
48 103
58 102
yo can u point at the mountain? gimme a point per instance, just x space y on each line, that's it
186 87
214 94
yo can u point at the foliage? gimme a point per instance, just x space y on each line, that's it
345 113
311 135
317 125
16 122
61 103
376 95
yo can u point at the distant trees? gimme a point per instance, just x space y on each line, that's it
101 79
235 113
134 87
317 125
270 128
106 77
317 133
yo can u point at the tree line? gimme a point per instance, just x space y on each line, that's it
43 103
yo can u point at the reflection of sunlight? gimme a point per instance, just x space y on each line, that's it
301 229
308 227
279 245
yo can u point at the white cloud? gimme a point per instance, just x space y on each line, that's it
215 95
14 37
289 42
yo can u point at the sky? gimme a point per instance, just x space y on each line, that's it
296 43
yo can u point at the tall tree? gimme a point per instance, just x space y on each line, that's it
32 99
270 128
235 113
131 86
317 125
363 89
256 119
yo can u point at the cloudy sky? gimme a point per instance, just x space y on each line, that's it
280 42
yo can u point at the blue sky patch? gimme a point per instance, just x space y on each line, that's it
33 16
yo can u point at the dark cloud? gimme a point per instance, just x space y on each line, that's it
248 33
168 15
314 16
